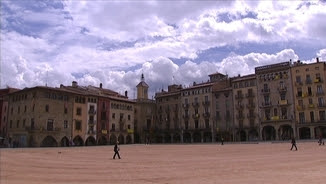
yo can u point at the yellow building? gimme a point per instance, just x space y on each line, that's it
309 94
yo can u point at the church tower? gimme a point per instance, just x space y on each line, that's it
142 89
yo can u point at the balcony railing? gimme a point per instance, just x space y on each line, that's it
298 83
321 105
186 116
185 106
195 104
251 116
311 106
206 114
320 93
250 95
266 104
283 102
318 80
300 107
206 103
251 105
238 96
240 116
195 116
239 106
282 89
92 111
266 90
91 122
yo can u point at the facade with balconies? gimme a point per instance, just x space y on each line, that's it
197 122
275 99
168 126
309 99
246 120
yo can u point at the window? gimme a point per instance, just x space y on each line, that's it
207 124
129 126
18 109
49 125
299 92
25 108
298 79
113 115
65 110
12 110
322 115
24 123
32 124
33 107
17 123
128 117
186 125
103 115
320 101
10 125
196 124
113 127
46 108
283 96
301 117
148 124
284 113
319 89
78 125
312 118
79 111
65 124
267 114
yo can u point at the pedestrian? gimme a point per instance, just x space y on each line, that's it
294 144
320 141
116 150
222 140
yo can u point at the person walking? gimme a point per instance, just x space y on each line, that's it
294 145
116 150
222 140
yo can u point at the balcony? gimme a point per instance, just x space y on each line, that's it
250 95
239 96
251 116
91 122
275 118
308 81
298 83
186 106
320 93
300 107
206 103
282 89
91 111
239 106
318 80
167 110
91 132
283 102
266 104
321 105
185 116
195 104
266 90
195 116
240 116
206 115
251 106
311 106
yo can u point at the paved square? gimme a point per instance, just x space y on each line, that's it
194 163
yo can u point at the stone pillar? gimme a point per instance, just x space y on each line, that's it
202 136
312 132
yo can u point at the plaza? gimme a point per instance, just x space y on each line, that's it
254 163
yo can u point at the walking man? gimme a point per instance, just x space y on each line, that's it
116 150
294 144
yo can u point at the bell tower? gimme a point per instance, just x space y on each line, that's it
142 89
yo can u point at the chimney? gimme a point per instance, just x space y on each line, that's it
126 94
317 59
101 85
61 85
74 84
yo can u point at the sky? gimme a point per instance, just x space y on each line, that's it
53 42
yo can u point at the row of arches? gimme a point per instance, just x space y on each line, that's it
50 141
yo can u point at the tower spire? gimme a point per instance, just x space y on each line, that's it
142 77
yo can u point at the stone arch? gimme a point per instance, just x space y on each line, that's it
285 132
304 133
121 139
167 138
90 141
197 137
64 142
186 137
207 137
253 135
320 131
242 135
78 141
49 141
268 133
102 141
113 139
176 138
159 138
128 139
